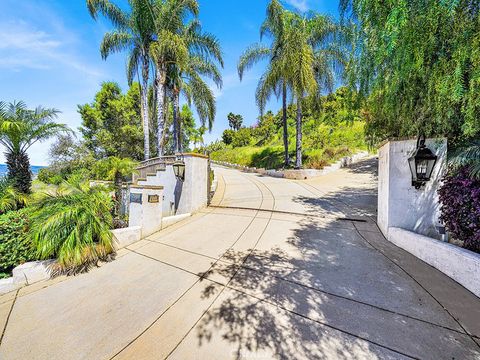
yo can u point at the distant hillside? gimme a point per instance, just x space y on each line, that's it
3 169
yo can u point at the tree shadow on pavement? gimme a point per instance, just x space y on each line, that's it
322 293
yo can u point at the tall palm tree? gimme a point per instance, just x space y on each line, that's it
170 48
309 56
134 32
204 53
20 128
274 80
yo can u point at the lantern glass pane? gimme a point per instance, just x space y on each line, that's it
431 165
422 168
413 170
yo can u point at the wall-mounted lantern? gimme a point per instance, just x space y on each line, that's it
179 170
421 163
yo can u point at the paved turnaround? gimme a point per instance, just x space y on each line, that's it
275 269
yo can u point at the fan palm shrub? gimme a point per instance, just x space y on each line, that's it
72 224
20 128
134 32
10 198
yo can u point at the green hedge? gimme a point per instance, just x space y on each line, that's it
15 245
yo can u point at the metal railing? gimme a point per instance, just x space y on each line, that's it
151 166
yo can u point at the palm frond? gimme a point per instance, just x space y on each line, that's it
113 42
251 56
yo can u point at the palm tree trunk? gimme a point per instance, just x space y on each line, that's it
145 110
118 193
298 163
176 122
161 74
18 166
285 125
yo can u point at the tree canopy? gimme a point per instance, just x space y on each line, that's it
416 65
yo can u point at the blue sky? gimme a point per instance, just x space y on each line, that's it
49 56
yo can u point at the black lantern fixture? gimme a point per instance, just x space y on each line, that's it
179 169
421 163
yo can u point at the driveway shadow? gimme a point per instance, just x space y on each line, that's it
324 293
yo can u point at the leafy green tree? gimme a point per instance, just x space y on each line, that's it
67 156
73 225
134 32
117 170
20 128
242 137
227 136
416 65
111 124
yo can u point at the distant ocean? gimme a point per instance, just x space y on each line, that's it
3 169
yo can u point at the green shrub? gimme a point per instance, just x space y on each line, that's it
73 225
15 244
227 136
242 137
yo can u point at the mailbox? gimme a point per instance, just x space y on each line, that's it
153 198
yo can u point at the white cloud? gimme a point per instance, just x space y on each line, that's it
301 5
23 46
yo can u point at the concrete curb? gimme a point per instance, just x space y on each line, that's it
302 174
460 264
171 220
127 236
26 274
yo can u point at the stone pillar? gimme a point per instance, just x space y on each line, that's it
399 203
145 209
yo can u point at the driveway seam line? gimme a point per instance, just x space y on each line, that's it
198 280
4 330
225 286
263 300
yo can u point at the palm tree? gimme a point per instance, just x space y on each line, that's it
308 58
73 224
20 128
134 32
170 48
274 80
204 53
116 169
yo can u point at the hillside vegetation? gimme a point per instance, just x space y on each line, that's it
330 131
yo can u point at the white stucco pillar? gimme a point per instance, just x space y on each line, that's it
145 209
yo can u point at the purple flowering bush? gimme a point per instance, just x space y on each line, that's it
460 207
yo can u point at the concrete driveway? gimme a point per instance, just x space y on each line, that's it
275 269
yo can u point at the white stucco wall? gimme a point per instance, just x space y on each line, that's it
399 203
